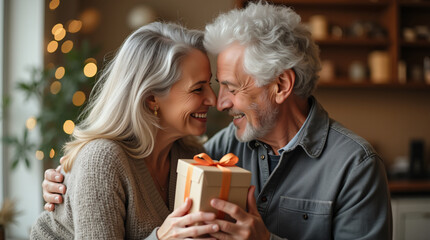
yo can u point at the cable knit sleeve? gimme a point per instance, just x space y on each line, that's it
98 201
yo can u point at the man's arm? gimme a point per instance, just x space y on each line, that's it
52 188
363 205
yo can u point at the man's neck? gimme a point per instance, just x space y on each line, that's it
292 115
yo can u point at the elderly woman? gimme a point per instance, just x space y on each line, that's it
120 166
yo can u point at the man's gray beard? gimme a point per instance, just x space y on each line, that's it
266 119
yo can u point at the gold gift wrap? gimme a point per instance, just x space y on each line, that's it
206 182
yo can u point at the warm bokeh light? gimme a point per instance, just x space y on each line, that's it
52 46
56 28
90 69
68 126
78 98
67 46
59 73
55 87
30 123
90 60
60 34
52 153
54 4
74 26
39 155
90 18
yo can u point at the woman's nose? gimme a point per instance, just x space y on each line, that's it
211 98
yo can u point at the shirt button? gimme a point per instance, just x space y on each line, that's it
264 199
305 216
262 157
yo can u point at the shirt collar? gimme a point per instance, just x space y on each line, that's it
312 135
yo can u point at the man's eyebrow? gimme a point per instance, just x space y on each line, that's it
226 82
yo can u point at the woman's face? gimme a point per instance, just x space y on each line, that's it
184 110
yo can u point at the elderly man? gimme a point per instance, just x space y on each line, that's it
312 178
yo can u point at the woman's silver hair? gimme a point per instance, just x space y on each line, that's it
274 40
148 63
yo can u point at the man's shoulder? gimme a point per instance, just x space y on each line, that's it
350 142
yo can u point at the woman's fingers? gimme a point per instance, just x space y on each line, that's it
183 209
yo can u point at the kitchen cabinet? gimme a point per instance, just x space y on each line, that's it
411 218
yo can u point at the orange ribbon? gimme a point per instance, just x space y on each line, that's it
228 160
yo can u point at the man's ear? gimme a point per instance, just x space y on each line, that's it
284 85
151 102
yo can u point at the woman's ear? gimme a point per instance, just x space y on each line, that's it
284 85
151 102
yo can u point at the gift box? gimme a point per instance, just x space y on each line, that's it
203 179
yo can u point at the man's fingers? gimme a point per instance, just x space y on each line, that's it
52 198
53 176
49 207
58 169
196 231
231 209
225 227
51 187
62 159
251 203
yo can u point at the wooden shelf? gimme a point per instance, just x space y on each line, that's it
409 186
390 15
366 84
360 42
414 4
367 3
416 44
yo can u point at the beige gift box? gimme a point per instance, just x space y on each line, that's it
206 185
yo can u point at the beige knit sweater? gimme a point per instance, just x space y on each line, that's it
109 196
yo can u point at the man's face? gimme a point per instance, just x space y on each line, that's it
253 112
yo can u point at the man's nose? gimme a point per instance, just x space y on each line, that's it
224 101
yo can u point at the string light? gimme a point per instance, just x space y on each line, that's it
60 34
90 69
51 153
52 46
78 98
56 28
68 126
59 73
55 87
39 155
74 26
54 4
67 46
30 124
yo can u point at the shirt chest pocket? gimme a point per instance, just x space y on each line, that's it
305 218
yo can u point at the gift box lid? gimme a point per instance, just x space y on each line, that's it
212 175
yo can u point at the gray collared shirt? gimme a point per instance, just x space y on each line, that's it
331 184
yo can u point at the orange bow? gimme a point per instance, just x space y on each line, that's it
228 160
